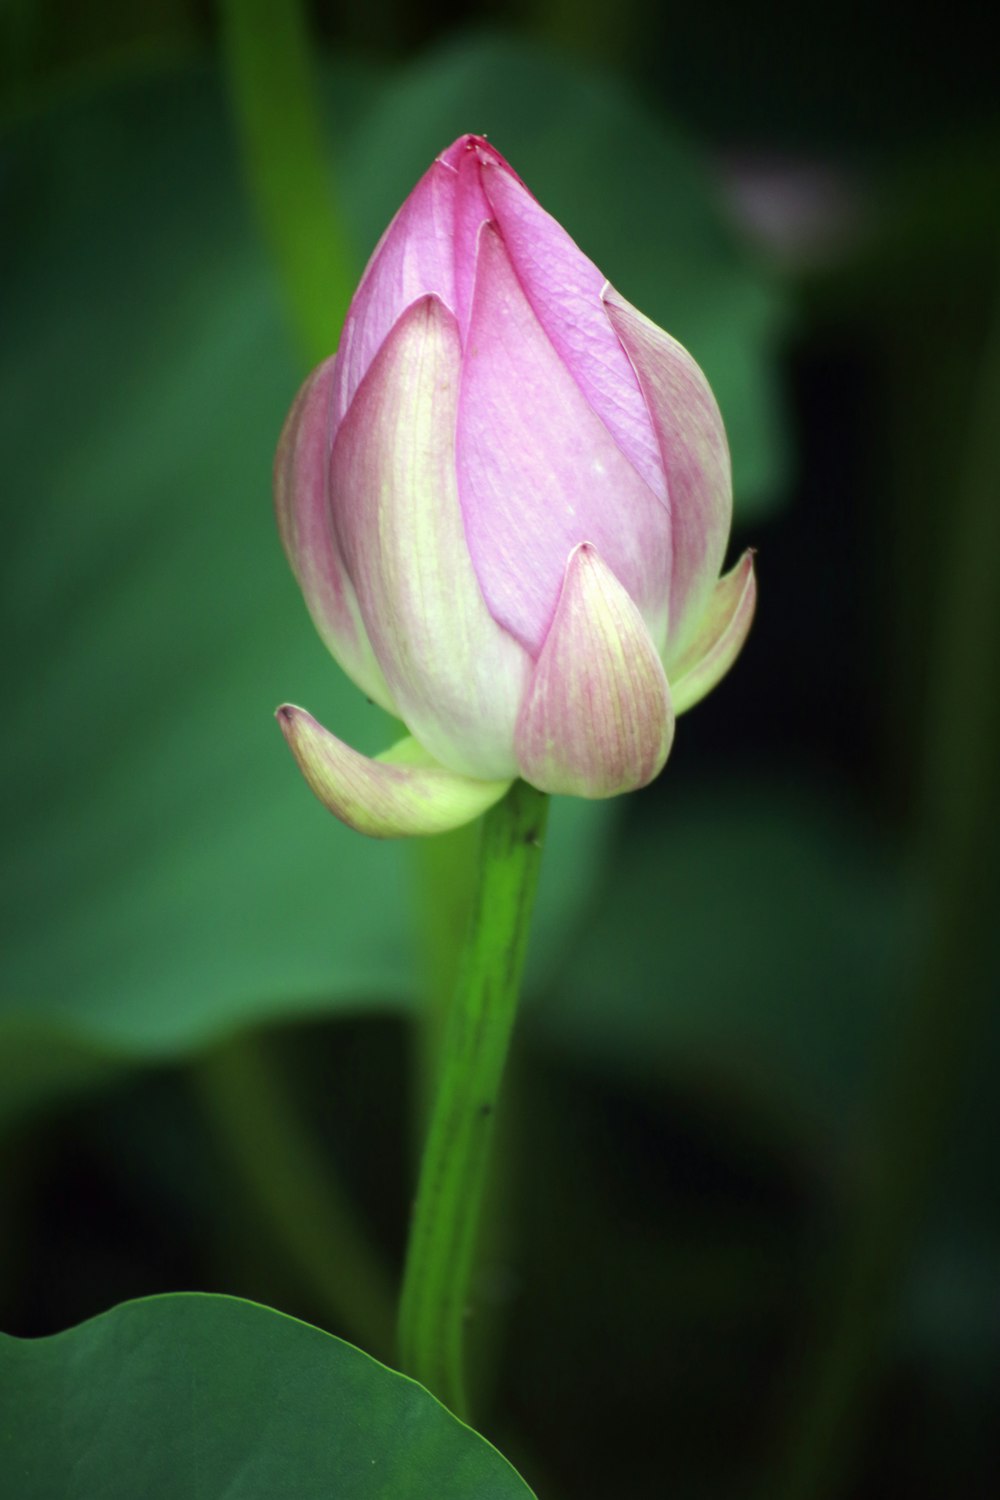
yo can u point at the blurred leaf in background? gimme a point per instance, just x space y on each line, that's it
172 880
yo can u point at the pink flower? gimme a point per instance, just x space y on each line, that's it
506 499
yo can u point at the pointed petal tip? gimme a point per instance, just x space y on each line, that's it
597 719
404 793
720 635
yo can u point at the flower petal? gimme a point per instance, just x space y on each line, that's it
414 258
564 289
538 471
471 212
302 503
721 632
597 719
397 795
695 456
458 677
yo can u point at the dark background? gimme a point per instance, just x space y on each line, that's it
746 1233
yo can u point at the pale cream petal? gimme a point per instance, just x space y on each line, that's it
597 719
399 794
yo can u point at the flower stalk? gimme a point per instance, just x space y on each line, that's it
434 1305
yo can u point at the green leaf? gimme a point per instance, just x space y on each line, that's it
196 1397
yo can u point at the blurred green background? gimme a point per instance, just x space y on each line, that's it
746 1233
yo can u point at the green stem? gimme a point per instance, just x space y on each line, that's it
443 879
435 1296
279 119
916 1099
295 1193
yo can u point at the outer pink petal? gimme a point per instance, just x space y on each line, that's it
597 719
695 456
564 289
719 637
415 257
302 503
456 675
539 472
471 213
399 794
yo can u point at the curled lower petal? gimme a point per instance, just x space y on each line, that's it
399 794
597 719
719 638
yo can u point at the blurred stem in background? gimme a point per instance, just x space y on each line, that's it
277 110
442 1243
914 1103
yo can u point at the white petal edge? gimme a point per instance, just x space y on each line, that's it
305 525
719 638
597 719
402 793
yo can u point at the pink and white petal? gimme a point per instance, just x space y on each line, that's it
719 638
597 719
414 258
695 456
456 675
397 795
564 289
539 472
305 525
471 213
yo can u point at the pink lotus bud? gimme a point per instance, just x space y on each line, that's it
506 499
